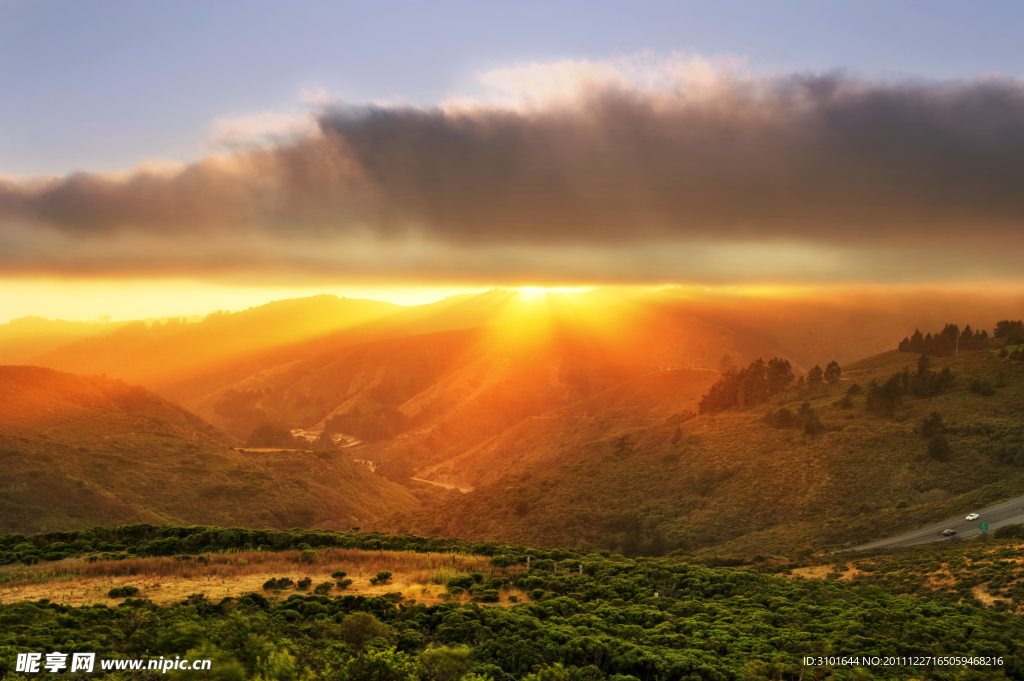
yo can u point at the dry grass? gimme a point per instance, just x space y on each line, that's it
822 572
419 576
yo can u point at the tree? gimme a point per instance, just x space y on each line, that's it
446 663
726 365
269 435
747 387
938 447
932 425
1016 339
916 341
815 376
923 365
967 337
1007 328
886 398
833 372
780 375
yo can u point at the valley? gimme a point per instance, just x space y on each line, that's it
579 423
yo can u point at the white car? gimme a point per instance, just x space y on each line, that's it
973 516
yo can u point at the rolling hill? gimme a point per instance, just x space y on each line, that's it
81 451
633 479
573 421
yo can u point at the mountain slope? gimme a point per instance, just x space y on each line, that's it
168 358
634 483
81 451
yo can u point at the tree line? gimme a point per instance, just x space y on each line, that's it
951 339
760 381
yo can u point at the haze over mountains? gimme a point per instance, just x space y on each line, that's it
572 417
86 451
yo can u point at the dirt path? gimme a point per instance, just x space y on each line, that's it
445 485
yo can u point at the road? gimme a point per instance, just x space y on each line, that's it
445 485
1007 513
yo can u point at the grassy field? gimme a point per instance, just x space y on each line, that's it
421 577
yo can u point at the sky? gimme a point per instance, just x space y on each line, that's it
192 156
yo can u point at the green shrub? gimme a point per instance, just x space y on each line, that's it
981 387
488 596
460 581
277 584
123 591
938 447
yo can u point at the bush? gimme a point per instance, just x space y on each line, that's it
460 581
304 583
383 577
814 426
308 556
1010 532
488 596
783 418
981 387
339 574
938 447
343 584
324 588
932 425
122 591
277 584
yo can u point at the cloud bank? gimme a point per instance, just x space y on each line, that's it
574 171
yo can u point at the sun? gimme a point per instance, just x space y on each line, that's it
531 293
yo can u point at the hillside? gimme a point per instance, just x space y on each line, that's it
420 400
168 357
27 337
635 481
684 328
81 451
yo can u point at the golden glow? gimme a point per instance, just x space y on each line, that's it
531 293
128 299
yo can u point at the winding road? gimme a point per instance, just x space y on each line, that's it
1006 513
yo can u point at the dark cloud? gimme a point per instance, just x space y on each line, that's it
814 158
824 161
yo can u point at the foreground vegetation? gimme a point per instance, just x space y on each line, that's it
580 616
